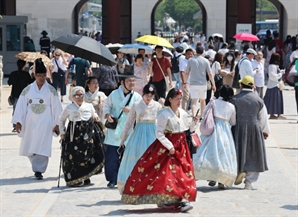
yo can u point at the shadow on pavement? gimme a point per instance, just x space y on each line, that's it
140 211
25 180
103 202
31 191
215 189
7 134
290 207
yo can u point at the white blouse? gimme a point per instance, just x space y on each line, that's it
97 100
76 113
140 112
273 76
168 121
223 110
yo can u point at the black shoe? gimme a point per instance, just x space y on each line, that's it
112 184
87 182
14 130
38 176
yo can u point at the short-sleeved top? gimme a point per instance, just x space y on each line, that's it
80 69
198 66
164 63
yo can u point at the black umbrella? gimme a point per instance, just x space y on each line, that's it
86 48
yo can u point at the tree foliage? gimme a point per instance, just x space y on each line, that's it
265 5
181 11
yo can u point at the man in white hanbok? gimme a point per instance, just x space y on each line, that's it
36 118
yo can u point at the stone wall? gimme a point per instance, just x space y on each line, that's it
53 16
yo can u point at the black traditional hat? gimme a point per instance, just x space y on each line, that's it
128 72
44 32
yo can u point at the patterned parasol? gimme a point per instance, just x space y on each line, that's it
32 56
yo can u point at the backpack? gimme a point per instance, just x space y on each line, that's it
175 64
236 77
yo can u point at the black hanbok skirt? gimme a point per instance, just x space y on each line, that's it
84 156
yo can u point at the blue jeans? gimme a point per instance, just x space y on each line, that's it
177 78
59 81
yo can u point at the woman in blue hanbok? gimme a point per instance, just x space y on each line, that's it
144 114
215 159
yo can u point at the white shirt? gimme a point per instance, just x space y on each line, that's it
76 113
294 53
259 77
182 68
223 51
245 68
211 53
60 64
167 120
273 76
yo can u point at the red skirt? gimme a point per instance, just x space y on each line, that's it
159 177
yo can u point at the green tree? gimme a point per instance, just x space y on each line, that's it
181 11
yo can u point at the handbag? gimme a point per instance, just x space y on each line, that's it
281 85
196 140
207 124
165 77
217 78
113 125
209 86
60 71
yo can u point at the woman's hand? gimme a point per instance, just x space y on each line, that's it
196 119
122 145
56 130
62 137
172 151
95 118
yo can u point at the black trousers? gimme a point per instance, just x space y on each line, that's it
160 89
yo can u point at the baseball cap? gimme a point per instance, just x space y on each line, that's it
247 80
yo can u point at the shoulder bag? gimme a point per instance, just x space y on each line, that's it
207 124
166 78
113 125
60 71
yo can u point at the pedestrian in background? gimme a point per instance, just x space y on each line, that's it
37 117
45 42
18 80
273 98
95 97
259 78
82 141
58 72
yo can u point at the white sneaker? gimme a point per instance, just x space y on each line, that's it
186 206
248 186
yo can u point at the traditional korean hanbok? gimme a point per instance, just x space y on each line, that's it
216 158
143 136
113 105
38 112
161 178
97 100
83 150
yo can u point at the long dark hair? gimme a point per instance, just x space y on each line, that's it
226 92
88 81
21 64
172 94
226 61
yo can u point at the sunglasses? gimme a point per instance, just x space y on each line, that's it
78 96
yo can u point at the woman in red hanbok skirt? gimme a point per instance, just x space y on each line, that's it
164 175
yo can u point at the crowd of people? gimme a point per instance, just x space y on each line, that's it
131 121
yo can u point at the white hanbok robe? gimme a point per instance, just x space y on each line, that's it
38 112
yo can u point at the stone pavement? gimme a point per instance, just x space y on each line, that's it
21 195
